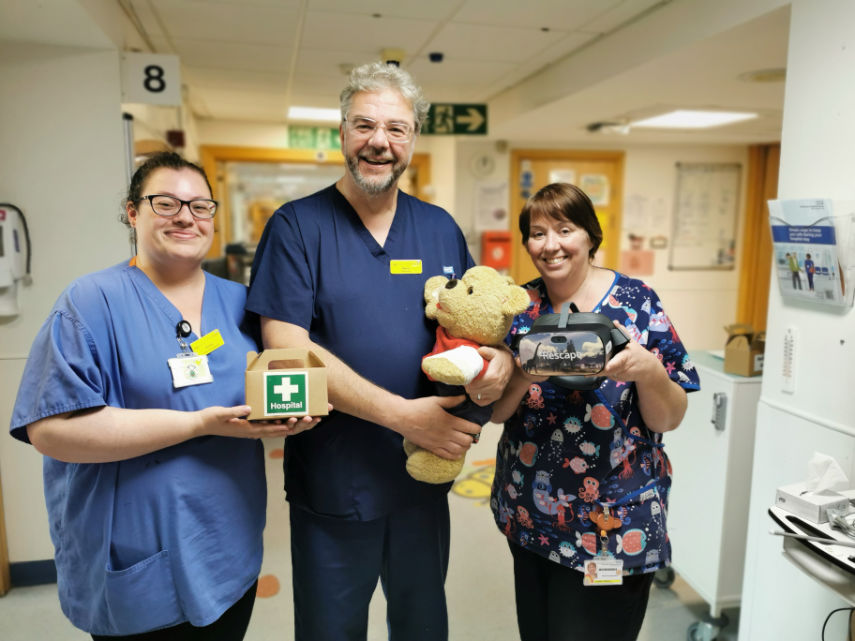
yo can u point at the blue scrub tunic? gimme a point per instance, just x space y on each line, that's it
171 536
318 267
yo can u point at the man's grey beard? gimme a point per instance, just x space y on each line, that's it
374 188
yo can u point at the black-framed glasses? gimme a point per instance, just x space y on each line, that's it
362 127
163 205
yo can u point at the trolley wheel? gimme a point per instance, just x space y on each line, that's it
706 630
664 578
702 631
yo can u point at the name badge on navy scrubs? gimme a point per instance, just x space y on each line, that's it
413 266
190 369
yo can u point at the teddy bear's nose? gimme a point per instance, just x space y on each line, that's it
451 284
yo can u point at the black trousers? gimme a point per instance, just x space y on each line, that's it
553 605
231 626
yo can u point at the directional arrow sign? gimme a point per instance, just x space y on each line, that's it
456 119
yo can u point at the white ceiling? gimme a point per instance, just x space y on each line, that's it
251 59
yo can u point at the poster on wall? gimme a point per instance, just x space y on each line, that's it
562 176
705 213
805 249
491 209
597 188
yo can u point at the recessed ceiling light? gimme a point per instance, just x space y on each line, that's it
314 114
693 119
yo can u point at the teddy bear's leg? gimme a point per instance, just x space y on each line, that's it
427 467
410 448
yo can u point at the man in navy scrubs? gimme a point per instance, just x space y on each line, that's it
342 272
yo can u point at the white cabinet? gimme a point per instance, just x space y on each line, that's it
711 454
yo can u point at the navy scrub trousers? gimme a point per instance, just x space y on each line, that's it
336 564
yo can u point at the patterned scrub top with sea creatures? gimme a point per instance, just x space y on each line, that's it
567 453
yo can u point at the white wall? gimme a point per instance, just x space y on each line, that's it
63 164
242 134
699 302
816 162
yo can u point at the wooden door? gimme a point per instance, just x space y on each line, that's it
598 173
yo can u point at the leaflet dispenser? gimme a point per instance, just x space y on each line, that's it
570 347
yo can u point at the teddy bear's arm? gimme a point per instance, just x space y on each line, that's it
458 366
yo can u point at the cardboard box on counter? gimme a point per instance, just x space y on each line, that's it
297 388
812 506
743 351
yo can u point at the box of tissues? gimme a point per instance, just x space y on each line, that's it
811 499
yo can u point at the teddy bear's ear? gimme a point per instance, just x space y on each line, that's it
432 287
517 300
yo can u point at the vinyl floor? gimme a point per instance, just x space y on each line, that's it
479 586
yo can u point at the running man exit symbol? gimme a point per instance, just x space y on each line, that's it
285 394
456 119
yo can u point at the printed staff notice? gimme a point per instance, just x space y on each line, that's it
805 249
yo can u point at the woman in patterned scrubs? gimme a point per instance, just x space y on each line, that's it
581 475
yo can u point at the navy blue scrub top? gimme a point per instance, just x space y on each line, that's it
318 267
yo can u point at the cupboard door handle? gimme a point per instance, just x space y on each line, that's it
719 410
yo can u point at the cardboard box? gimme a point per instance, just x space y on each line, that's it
297 388
811 506
743 351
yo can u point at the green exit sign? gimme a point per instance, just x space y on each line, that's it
456 119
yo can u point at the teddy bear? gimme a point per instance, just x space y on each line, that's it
476 309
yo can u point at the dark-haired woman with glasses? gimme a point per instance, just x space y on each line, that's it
134 392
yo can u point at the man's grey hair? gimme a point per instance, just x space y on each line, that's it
377 76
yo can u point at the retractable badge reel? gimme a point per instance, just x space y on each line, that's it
188 367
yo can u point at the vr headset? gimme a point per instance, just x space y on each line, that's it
569 348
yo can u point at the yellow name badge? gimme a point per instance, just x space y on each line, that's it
405 267
208 343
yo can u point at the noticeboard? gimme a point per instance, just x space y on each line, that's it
705 214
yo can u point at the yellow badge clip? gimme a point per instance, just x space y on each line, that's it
208 343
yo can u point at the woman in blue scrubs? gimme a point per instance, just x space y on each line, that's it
134 392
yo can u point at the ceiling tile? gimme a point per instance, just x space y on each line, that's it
228 55
562 15
497 44
433 10
616 16
364 33
222 22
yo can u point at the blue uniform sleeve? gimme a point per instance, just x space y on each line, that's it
663 341
62 374
281 285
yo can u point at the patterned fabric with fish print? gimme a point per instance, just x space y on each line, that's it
566 453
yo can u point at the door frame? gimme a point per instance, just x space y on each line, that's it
5 576
212 155
517 201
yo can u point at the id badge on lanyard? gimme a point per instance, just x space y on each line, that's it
188 367
604 569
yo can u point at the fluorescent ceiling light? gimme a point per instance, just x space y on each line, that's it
314 114
692 119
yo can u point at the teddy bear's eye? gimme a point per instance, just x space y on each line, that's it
470 290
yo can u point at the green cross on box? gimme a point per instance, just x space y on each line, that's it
286 394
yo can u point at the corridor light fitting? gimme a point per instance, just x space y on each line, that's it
314 114
693 119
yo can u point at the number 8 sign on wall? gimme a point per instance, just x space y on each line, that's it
149 78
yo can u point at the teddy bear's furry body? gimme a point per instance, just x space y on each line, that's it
475 310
